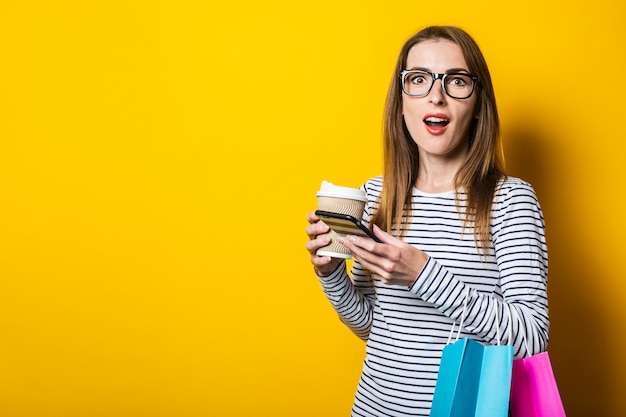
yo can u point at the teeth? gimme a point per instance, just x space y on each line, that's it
435 120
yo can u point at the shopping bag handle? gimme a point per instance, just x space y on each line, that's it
498 327
497 324
467 290
519 322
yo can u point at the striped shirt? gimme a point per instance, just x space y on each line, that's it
407 328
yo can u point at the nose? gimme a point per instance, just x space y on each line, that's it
437 95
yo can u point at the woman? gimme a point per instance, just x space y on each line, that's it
453 226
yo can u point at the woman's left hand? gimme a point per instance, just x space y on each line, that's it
394 261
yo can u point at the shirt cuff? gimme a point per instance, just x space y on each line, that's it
428 282
333 275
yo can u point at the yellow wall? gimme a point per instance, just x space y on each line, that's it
157 160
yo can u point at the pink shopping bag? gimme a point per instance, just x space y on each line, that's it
534 392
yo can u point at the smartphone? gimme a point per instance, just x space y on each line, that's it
345 224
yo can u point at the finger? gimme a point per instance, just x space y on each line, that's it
325 265
365 250
321 261
312 217
378 258
360 243
386 237
369 261
318 242
316 229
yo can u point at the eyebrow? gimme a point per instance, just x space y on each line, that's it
448 71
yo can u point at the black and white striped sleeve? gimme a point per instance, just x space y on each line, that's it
352 301
519 243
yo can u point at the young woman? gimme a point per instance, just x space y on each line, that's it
455 230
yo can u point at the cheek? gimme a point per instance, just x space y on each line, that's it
413 125
411 119
409 111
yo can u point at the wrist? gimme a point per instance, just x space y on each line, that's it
328 269
320 273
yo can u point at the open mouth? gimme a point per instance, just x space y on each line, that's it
436 122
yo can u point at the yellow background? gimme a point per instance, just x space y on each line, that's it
158 158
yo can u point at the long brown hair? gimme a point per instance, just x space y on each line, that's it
481 171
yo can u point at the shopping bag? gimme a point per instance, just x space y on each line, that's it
534 392
473 380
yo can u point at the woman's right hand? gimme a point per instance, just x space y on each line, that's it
318 238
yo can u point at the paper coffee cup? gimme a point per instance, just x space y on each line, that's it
343 200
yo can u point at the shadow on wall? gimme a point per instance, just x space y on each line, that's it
578 333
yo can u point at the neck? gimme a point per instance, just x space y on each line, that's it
437 176
434 185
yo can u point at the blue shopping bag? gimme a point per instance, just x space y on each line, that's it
473 380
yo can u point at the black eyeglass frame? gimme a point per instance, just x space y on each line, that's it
436 77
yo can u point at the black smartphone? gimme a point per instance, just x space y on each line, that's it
345 224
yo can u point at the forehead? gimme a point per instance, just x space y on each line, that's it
437 55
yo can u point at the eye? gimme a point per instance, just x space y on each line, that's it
417 79
458 81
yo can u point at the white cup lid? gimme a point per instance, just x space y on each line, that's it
328 189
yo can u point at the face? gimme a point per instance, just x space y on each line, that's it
438 123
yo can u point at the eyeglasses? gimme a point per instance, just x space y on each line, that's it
418 83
